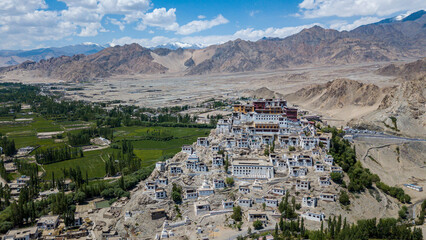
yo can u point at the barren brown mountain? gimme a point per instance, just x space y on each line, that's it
399 109
383 41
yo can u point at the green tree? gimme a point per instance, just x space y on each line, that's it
229 181
237 214
344 198
257 225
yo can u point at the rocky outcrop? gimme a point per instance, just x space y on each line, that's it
338 94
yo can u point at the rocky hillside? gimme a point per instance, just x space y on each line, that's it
399 109
383 41
14 57
128 59
263 92
338 94
406 71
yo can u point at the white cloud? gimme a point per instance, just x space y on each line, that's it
344 25
252 34
116 22
17 7
200 25
204 41
160 17
23 22
201 17
349 8
144 42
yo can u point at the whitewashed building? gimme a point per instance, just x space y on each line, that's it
187 149
252 168
244 189
160 193
278 191
309 201
303 185
271 202
203 142
205 189
217 161
191 194
245 202
319 167
329 197
218 183
318 217
328 159
227 204
201 208
324 181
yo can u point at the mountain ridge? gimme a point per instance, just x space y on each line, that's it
315 45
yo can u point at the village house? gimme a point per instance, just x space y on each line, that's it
215 148
245 202
336 169
218 183
414 187
160 166
289 140
329 197
257 186
175 168
48 222
202 167
217 161
302 185
191 194
223 126
324 181
319 167
150 186
187 149
160 193
303 160
278 191
254 215
329 160
271 202
205 189
244 189
192 161
28 233
227 204
203 142
201 208
162 181
318 217
281 166
297 171
308 201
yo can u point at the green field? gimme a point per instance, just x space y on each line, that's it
149 151
91 162
25 134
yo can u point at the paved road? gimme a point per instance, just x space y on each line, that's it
385 136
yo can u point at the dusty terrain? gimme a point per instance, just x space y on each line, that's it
175 89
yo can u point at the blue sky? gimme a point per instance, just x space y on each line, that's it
26 24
